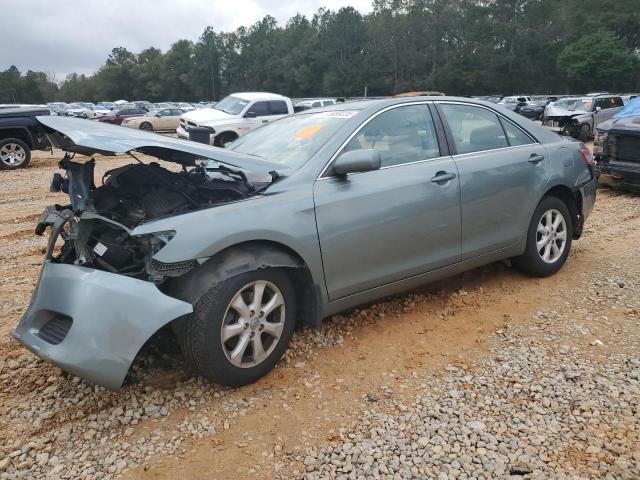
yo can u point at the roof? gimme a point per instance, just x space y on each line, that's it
259 96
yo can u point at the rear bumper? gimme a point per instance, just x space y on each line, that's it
99 320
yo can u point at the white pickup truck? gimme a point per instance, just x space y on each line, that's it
235 115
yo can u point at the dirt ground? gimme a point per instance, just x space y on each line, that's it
169 424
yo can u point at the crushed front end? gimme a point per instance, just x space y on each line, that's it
99 296
618 153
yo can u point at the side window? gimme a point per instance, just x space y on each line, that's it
514 134
166 112
176 113
278 107
603 103
474 129
401 135
261 109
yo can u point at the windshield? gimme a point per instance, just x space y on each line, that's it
293 140
231 105
574 104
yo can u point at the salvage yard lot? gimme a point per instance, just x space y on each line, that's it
487 374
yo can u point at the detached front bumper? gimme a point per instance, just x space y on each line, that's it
93 323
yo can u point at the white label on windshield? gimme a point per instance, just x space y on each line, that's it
100 249
337 114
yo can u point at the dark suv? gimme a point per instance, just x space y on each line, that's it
20 133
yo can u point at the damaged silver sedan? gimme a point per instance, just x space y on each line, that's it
297 220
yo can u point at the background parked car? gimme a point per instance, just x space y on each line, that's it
116 117
306 104
236 115
95 111
77 109
185 107
617 148
143 105
109 105
513 102
579 116
160 120
20 133
534 109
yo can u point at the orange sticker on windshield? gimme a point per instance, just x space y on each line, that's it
308 131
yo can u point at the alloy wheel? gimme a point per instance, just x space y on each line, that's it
551 236
12 154
253 324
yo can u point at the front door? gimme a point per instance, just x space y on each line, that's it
385 225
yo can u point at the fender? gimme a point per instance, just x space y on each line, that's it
248 257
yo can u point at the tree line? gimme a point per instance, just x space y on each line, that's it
460 47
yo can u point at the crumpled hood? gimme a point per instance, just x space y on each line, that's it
87 138
552 111
205 116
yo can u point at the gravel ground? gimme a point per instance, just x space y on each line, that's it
489 375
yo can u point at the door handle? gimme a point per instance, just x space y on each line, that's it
535 158
442 177
265 121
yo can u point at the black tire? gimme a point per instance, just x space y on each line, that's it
202 342
8 161
225 138
531 261
146 126
585 133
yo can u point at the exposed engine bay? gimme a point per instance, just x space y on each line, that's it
97 224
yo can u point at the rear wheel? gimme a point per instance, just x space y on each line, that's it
548 239
585 133
14 153
146 126
241 327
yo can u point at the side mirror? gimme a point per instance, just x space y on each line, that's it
598 109
357 161
158 115
250 115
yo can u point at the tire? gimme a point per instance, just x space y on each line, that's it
584 133
146 126
14 153
224 139
532 261
203 344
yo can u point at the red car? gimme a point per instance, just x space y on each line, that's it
118 117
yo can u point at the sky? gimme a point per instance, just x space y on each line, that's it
64 36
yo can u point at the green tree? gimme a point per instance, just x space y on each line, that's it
598 61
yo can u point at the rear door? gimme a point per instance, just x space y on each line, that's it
385 225
502 172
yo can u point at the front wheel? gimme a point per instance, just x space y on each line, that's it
585 133
146 126
241 327
548 239
14 153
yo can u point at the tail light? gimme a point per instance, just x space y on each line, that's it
587 155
